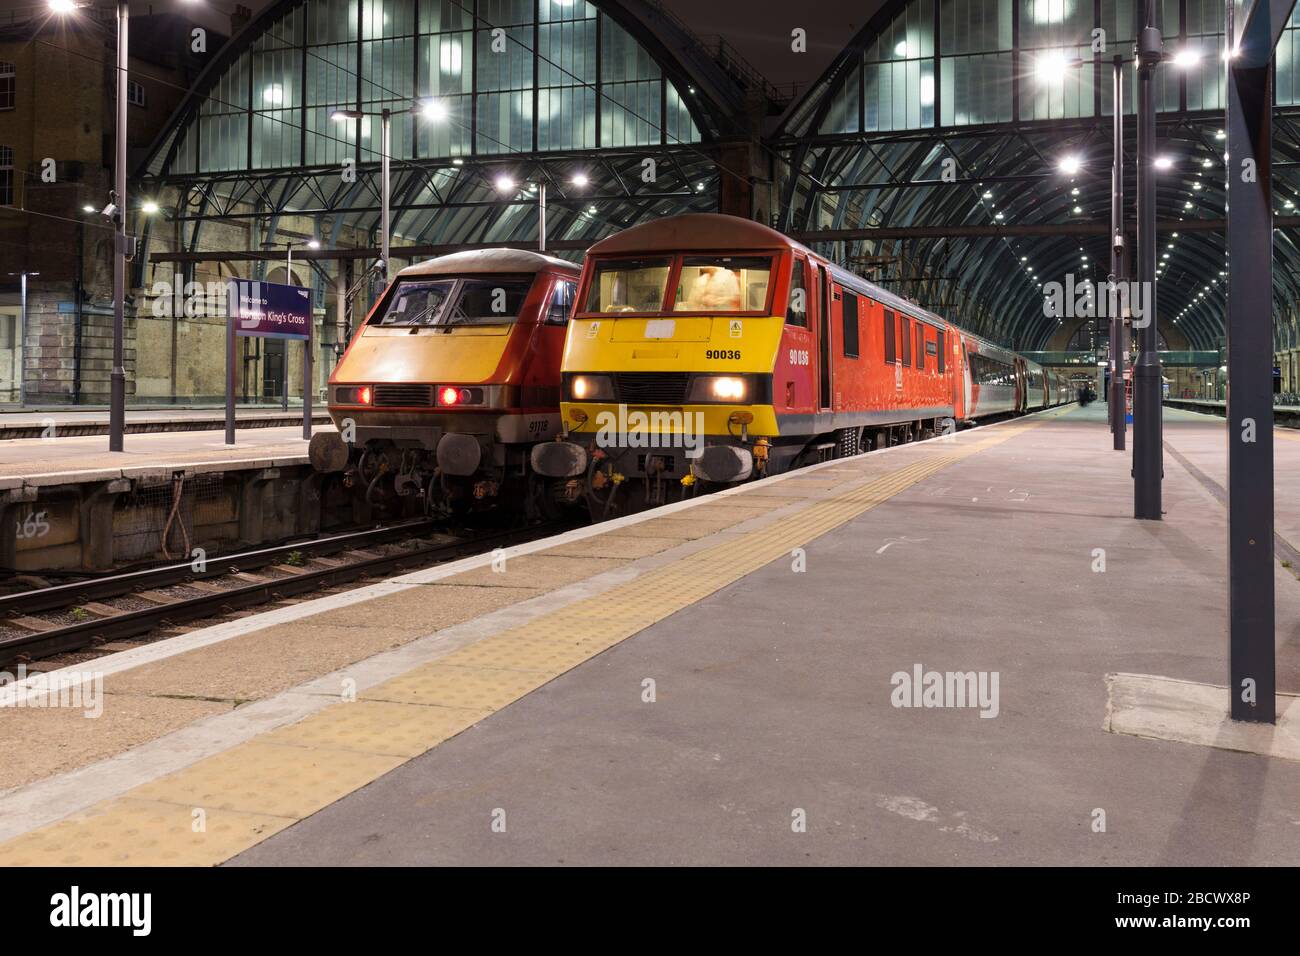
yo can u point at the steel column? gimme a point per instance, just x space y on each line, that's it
385 147
1148 459
1118 412
1248 122
117 381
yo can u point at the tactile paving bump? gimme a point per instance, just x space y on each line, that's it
449 683
276 779
378 727
131 832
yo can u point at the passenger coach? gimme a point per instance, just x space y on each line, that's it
707 348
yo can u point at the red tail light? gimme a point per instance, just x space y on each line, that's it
449 396
363 395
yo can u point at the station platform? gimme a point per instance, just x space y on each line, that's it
90 509
85 458
66 422
724 681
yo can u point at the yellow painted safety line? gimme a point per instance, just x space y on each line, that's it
226 803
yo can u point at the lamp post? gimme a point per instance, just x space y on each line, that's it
288 256
1148 380
434 110
117 380
505 184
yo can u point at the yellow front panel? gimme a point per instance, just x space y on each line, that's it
464 355
681 345
658 422
732 344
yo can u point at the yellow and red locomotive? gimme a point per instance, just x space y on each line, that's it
452 379
707 350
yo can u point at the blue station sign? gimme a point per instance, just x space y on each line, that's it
269 309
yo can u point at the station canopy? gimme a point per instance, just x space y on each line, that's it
993 93
927 158
538 91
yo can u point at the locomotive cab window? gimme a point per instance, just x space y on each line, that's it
452 302
415 303
723 284
488 301
561 302
796 312
849 314
628 285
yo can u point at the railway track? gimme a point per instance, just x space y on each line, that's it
81 617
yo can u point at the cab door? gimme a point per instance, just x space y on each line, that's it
823 339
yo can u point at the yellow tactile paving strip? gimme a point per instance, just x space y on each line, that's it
246 793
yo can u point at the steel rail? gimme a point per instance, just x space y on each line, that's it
130 623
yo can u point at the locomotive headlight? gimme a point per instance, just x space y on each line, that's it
727 389
591 388
718 388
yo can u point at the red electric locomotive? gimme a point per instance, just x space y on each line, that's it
707 349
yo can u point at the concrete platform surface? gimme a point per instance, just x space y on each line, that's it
774 696
753 677
66 458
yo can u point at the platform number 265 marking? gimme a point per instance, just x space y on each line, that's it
35 526
798 356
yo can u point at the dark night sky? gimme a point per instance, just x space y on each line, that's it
759 29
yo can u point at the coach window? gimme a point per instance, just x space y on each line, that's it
561 302
796 313
906 336
920 345
849 312
891 354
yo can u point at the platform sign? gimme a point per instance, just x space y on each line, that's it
268 310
